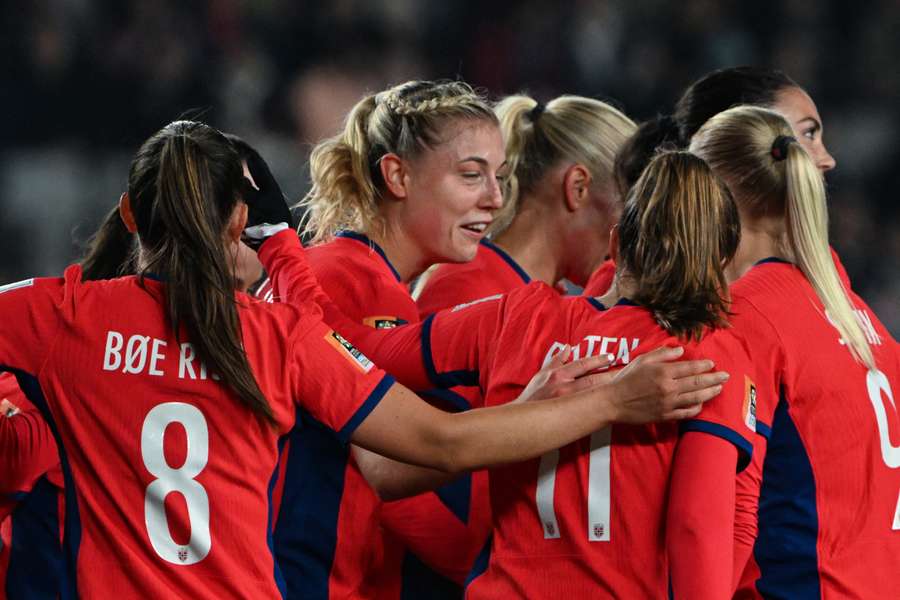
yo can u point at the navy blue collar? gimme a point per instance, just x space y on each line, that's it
509 260
595 303
153 276
626 302
772 259
364 239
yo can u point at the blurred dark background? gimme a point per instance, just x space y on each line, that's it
86 81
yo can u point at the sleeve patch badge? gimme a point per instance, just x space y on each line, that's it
383 322
349 351
749 410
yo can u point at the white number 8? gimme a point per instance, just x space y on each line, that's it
877 383
179 480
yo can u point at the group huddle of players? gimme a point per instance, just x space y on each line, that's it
713 417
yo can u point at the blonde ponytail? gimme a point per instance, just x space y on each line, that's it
738 144
572 128
807 234
404 120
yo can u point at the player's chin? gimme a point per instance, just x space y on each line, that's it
464 249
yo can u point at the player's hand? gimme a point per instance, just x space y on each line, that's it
267 209
560 377
657 387
7 408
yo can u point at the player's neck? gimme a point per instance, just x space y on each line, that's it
403 254
760 238
534 244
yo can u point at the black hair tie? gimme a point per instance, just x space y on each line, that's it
536 112
780 146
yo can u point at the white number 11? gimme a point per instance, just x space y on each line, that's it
598 493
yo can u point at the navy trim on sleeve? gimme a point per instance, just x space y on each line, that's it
508 259
367 407
763 429
745 448
447 379
68 576
427 357
455 400
364 239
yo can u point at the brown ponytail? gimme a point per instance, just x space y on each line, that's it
183 186
678 228
110 250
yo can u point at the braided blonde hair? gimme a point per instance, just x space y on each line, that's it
405 120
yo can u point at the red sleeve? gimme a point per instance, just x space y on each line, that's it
346 385
732 414
746 516
700 517
27 451
421 356
291 279
31 317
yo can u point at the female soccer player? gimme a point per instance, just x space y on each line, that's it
829 512
559 206
560 195
623 494
411 181
167 392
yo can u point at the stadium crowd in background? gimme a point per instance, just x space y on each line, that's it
94 79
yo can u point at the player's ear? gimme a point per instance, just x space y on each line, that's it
125 213
576 186
395 174
237 222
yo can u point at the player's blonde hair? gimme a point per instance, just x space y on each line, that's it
537 137
738 144
404 120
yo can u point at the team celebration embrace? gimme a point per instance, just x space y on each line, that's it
385 391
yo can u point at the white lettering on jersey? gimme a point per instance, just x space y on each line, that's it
155 356
136 353
112 359
186 364
474 302
595 345
18 284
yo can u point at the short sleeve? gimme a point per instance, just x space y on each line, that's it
732 414
31 316
332 379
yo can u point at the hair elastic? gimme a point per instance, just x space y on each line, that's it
780 146
537 111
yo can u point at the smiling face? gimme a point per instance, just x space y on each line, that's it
801 112
453 191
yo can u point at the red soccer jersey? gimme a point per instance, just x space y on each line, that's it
32 490
359 543
580 522
601 279
492 272
487 337
829 503
137 416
